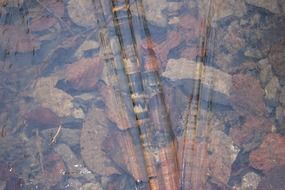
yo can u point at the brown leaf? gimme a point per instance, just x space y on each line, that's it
85 73
16 39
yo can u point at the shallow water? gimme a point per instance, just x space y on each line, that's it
142 94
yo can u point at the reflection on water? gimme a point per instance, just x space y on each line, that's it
142 94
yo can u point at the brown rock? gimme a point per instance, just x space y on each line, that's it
276 59
271 153
53 169
249 135
273 180
274 6
42 117
246 95
85 73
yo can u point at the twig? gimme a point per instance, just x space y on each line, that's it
53 139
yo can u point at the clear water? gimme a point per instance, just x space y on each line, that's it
142 94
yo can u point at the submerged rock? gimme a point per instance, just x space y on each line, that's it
282 96
82 12
270 154
273 180
250 181
273 5
250 134
215 84
55 99
154 11
42 118
84 74
276 59
247 96
271 89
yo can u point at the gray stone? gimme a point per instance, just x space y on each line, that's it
224 153
272 5
2 185
73 184
178 69
154 11
91 186
271 89
250 181
265 71
74 166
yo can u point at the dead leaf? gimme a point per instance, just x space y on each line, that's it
85 73
17 39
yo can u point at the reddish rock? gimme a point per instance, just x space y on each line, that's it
85 73
54 169
271 153
42 117
277 57
246 95
200 159
249 135
273 180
